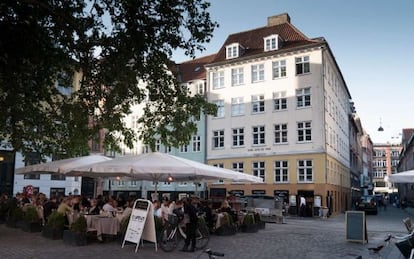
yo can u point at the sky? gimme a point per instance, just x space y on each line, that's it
372 41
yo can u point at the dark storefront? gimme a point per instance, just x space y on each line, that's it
7 159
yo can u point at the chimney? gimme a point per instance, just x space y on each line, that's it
278 19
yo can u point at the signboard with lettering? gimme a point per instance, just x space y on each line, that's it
141 224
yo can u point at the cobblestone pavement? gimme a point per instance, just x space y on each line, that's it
297 238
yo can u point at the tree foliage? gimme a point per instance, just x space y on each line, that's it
117 53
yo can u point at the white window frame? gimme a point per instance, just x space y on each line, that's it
259 135
281 133
232 51
258 73
303 97
184 148
304 129
218 79
201 88
279 69
281 170
237 106
218 139
279 101
259 169
220 108
305 168
238 137
196 143
238 167
237 76
302 65
258 103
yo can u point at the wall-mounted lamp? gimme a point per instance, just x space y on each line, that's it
1 158
170 178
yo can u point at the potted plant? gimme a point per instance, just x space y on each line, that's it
15 217
227 227
249 225
76 234
31 220
54 226
259 222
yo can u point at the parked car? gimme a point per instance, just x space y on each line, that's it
367 203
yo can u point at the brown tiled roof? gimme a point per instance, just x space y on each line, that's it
194 69
252 40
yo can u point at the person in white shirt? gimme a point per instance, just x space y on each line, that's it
302 208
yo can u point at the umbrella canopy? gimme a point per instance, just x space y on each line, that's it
402 177
62 166
159 167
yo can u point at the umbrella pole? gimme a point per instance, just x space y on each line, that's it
156 190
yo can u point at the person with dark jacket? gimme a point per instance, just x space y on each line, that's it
191 224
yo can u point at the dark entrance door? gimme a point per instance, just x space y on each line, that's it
6 172
309 196
88 187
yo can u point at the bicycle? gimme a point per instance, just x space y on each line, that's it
211 254
173 233
405 246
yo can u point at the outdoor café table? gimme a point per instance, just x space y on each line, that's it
103 224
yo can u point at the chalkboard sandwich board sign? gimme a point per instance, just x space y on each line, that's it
356 226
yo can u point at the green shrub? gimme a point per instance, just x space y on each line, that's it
56 220
227 219
248 219
16 213
80 225
31 215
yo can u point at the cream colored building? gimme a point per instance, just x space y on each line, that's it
283 111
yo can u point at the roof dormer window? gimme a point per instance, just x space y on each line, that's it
272 42
233 50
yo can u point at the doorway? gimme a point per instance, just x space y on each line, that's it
309 197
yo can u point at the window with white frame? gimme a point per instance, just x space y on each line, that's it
279 101
279 69
257 73
305 171
259 135
237 106
133 183
134 122
238 137
237 76
218 139
167 149
271 42
218 79
281 132
258 104
196 143
304 131
220 108
219 165
302 65
232 51
201 88
259 169
303 97
281 171
238 167
184 148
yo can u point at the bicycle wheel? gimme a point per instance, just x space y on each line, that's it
202 236
168 240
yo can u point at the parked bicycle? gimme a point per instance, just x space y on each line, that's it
211 254
403 243
173 233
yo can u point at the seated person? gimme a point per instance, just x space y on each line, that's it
224 209
94 209
109 206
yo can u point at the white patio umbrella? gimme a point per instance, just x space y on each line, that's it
402 177
161 167
62 166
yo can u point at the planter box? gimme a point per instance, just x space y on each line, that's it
261 225
252 228
31 227
226 230
52 233
74 238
